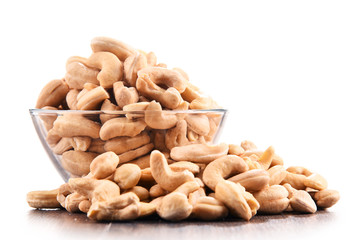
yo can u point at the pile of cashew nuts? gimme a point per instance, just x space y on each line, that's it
159 160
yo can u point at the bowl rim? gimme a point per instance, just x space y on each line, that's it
37 111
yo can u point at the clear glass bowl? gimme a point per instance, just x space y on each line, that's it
196 122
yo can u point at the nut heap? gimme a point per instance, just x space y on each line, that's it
152 161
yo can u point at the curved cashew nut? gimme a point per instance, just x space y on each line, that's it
199 123
252 180
127 175
135 153
77 162
104 165
164 176
169 98
121 145
132 65
105 44
174 207
95 190
107 105
164 76
122 126
200 153
92 99
326 198
140 106
53 94
119 208
191 92
177 136
316 181
71 99
77 73
73 125
221 168
209 208
232 195
125 95
277 174
43 199
187 187
299 170
141 192
157 119
111 68
185 165
273 199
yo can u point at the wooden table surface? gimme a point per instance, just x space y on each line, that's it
59 223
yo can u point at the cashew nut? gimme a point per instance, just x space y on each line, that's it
104 165
199 123
121 126
135 153
77 73
164 176
272 199
222 168
132 65
92 99
208 209
53 94
81 143
77 162
174 207
177 136
253 180
127 175
201 153
125 95
105 44
43 199
140 106
158 119
111 68
121 145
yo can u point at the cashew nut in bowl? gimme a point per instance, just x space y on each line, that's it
118 127
200 153
164 176
107 105
105 44
127 175
169 98
77 162
158 119
111 68
199 123
121 145
92 99
176 136
77 73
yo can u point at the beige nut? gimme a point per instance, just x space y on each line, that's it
43 199
121 145
138 107
77 162
118 127
176 136
252 180
119 208
63 191
158 119
232 196
141 192
188 187
93 189
84 206
147 209
301 201
174 207
144 161
47 118
105 44
92 99
124 95
71 99
111 68
135 153
53 94
209 209
127 175
62 146
72 202
81 143
222 168
164 76
77 73
73 125
184 165
248 145
164 176
132 65
104 165
273 199
267 157
157 191
252 163
277 174
191 92
169 98
203 103
316 181
326 198
299 170
195 195
97 146
108 107
235 149
200 153
295 180
199 123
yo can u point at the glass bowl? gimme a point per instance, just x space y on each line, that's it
72 138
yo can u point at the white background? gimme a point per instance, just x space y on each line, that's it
287 71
